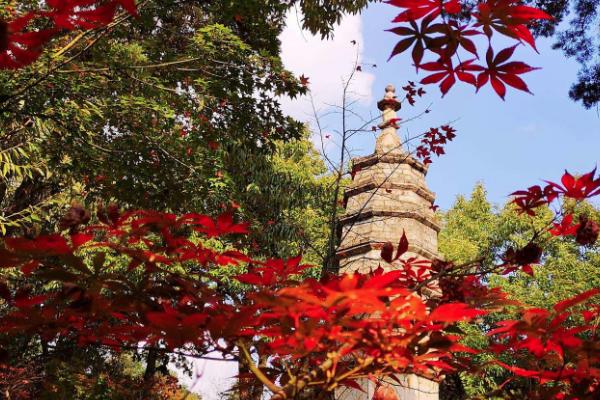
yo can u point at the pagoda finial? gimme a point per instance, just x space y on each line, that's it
389 99
388 142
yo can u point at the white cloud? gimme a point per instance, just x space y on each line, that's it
326 62
210 378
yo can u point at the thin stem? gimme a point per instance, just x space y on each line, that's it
257 372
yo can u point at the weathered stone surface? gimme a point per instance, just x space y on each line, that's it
411 387
388 195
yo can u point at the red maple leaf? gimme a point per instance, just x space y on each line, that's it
453 36
304 80
22 301
579 188
499 72
419 36
575 300
587 231
454 312
509 18
402 246
565 227
387 251
49 245
416 9
530 254
223 225
86 14
448 73
385 392
19 48
445 74
533 197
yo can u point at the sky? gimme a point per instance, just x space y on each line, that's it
507 145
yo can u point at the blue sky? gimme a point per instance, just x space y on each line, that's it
507 145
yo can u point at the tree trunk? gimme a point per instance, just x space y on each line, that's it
451 388
248 387
150 365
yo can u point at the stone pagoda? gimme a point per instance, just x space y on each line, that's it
388 195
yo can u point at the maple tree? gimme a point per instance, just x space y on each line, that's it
169 283
157 289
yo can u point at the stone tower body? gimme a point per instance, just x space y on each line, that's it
388 195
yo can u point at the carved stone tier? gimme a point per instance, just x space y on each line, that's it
396 158
411 387
388 195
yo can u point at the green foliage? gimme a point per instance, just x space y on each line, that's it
177 110
476 229
160 111
28 188
127 117
287 197
320 16
472 218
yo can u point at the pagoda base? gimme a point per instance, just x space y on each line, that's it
410 387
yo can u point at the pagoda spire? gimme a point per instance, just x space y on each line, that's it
388 195
388 141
